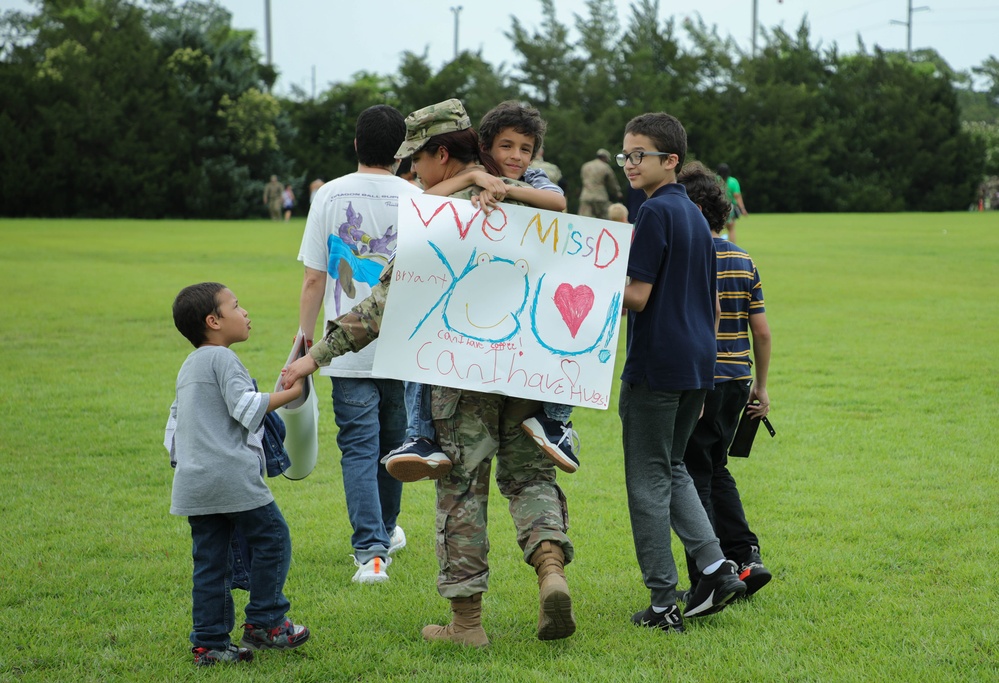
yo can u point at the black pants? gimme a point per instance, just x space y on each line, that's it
706 459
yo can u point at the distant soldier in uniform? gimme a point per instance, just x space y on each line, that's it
599 185
553 172
272 198
473 428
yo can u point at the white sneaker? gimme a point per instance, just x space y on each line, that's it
372 571
398 540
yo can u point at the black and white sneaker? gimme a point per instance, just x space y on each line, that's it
714 591
557 439
417 460
671 620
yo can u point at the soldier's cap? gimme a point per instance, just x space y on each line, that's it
603 154
444 117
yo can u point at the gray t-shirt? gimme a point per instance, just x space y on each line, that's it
219 467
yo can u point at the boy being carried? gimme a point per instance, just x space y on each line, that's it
510 136
219 484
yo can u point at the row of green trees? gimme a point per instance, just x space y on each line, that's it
154 108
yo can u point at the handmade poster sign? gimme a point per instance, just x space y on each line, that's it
522 302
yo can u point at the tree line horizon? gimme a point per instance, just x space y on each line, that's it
159 109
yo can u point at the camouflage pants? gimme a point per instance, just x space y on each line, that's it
594 207
479 427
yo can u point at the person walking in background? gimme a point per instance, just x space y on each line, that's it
350 235
287 202
272 198
743 317
733 191
314 188
599 185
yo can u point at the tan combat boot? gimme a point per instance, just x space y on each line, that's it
555 619
466 624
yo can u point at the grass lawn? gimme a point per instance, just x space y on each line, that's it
877 504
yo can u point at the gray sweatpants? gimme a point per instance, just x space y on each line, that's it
656 426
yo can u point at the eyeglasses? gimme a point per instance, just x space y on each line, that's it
636 157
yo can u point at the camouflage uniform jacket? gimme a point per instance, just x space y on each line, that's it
272 192
353 331
553 172
598 181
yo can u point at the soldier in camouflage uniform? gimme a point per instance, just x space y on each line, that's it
553 172
473 428
599 184
272 198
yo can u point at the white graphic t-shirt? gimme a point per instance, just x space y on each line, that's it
350 234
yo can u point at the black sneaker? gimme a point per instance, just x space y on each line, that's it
714 591
557 439
417 460
754 574
670 620
283 637
204 656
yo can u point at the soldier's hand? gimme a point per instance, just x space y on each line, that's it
297 371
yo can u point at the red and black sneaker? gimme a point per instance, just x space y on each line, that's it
283 637
204 656
754 574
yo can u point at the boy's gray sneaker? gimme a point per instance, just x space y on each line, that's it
204 656
283 637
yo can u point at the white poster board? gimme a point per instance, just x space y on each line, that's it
523 302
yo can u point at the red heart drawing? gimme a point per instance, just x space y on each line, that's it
574 303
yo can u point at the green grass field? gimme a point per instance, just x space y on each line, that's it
877 503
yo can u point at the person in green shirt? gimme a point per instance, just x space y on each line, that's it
734 193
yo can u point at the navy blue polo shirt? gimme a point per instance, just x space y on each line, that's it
671 344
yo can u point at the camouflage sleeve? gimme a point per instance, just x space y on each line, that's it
353 331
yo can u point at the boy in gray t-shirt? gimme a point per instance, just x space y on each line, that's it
218 482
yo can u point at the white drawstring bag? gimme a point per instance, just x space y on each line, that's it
301 420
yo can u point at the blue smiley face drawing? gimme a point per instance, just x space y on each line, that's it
485 301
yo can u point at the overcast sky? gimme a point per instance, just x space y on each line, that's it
341 37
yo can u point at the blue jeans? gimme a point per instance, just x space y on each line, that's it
418 412
269 542
371 417
558 411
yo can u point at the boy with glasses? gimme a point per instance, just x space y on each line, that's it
669 368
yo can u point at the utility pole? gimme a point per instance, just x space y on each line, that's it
267 30
457 11
756 20
908 27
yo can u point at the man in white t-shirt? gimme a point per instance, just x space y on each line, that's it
349 237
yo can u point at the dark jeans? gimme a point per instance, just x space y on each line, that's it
655 428
267 537
706 458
